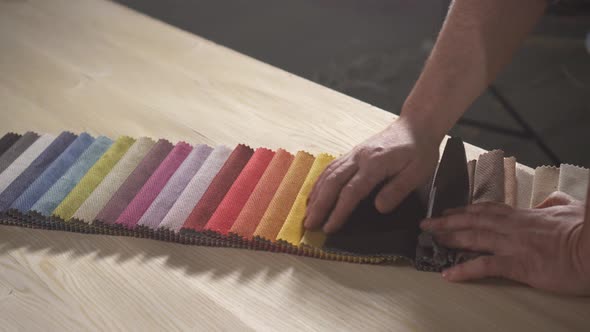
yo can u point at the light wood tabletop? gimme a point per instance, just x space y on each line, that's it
92 65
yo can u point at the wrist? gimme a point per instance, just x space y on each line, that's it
423 123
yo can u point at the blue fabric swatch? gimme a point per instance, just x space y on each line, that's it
51 199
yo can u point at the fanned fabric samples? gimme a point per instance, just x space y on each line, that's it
244 197
103 192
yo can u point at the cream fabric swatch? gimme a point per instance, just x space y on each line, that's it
524 187
510 181
545 182
114 179
573 180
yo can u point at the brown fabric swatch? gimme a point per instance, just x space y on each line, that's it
7 141
125 194
544 183
510 191
489 178
471 173
524 186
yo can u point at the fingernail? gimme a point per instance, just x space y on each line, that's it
446 273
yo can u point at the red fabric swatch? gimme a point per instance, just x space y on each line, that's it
218 188
237 196
150 190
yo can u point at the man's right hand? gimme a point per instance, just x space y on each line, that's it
402 155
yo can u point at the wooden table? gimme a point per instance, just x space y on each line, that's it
90 65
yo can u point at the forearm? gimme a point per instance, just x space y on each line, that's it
477 39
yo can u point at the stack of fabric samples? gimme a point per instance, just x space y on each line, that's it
242 197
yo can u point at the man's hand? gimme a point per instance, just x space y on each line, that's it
402 155
547 247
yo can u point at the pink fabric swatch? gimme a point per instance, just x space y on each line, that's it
150 190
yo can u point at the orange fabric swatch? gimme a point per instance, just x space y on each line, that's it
281 204
259 200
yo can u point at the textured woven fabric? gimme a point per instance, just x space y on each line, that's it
20 164
30 174
218 188
292 230
195 189
258 202
524 187
281 204
573 180
471 173
170 193
230 207
7 141
62 187
17 149
313 238
510 190
134 182
109 185
154 185
55 171
488 184
93 178
544 183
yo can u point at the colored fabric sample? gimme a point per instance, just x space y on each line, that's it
218 188
573 180
489 178
17 149
125 194
112 181
544 183
195 189
524 186
92 179
23 161
177 183
30 174
7 141
58 168
471 173
258 202
230 207
292 230
154 185
313 238
283 200
510 181
62 187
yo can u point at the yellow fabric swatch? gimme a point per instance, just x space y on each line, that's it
283 200
92 179
292 229
315 238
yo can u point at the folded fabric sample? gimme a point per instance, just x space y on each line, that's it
246 198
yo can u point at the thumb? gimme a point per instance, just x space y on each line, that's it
555 199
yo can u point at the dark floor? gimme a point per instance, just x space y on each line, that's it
373 50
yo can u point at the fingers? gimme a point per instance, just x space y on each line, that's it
318 184
351 194
483 267
555 199
461 221
474 240
327 194
396 190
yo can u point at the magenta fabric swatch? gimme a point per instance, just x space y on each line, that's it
134 182
154 185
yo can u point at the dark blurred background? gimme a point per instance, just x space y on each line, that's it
538 109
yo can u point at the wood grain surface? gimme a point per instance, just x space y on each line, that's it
91 65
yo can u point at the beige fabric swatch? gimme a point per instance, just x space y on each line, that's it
114 179
524 187
510 181
488 184
545 182
471 173
573 180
